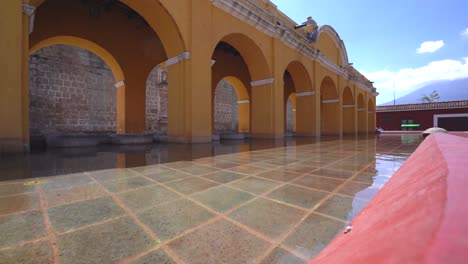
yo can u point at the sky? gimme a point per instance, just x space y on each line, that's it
399 44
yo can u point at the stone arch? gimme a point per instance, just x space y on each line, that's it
362 112
329 107
87 45
348 111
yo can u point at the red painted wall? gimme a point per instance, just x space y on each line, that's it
423 117
420 215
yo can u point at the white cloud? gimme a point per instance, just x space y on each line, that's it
409 79
464 33
430 46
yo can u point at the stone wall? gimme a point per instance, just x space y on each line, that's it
156 102
72 91
226 108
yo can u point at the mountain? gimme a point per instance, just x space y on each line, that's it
455 90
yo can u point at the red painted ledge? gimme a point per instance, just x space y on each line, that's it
420 216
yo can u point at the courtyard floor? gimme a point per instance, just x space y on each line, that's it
278 205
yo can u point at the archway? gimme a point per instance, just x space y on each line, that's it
238 61
371 116
362 118
349 121
297 82
151 36
329 107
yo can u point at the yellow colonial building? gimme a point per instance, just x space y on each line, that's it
265 56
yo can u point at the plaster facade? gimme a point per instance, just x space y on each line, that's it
252 44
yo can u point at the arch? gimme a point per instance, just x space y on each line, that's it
251 53
87 45
300 76
243 104
157 15
348 112
339 43
329 110
328 89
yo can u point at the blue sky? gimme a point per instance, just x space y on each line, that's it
384 39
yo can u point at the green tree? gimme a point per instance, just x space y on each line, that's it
434 96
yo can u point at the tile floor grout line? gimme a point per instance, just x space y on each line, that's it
226 218
290 231
108 220
49 229
138 256
145 228
24 243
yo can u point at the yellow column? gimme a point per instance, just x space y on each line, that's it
355 111
189 76
263 114
12 131
340 105
306 118
318 102
244 116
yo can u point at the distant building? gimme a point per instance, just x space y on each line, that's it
452 116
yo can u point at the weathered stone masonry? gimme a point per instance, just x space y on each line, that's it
72 91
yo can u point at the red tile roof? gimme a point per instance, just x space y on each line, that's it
423 106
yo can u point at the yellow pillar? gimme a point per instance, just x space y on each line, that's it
306 107
189 90
263 110
13 137
355 111
340 105
318 102
244 116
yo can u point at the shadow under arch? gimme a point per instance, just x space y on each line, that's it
99 51
329 109
157 15
348 111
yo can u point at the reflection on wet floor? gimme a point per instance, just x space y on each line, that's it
263 203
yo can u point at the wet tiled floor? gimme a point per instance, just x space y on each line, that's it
278 205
